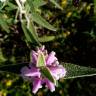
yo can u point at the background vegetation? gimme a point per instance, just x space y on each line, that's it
74 41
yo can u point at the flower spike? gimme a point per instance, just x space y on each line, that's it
44 68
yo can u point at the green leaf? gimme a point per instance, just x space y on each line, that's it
30 33
46 38
56 4
4 25
11 5
38 19
38 3
75 71
41 60
46 72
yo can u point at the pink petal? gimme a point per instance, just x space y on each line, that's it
51 58
58 71
34 57
50 85
36 85
30 72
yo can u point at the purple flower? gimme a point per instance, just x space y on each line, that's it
37 83
51 59
57 71
49 84
33 73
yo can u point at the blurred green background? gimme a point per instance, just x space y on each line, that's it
74 42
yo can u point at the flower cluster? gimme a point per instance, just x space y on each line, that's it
34 73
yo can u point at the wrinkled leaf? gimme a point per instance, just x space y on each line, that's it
40 60
75 71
